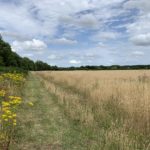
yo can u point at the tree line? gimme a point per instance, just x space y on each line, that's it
112 67
8 58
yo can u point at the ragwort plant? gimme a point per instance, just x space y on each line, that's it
9 105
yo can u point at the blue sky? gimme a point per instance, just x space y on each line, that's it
78 32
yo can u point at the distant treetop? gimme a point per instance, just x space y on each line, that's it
0 37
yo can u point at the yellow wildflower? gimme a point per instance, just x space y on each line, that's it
14 121
14 115
14 124
6 119
30 103
2 93
4 116
5 104
14 77
10 117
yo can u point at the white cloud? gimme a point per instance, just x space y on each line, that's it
139 30
27 55
13 35
82 21
103 36
138 53
143 5
55 57
101 44
89 56
69 34
34 14
66 19
141 39
14 48
88 21
63 41
44 17
37 18
108 35
74 61
20 21
33 45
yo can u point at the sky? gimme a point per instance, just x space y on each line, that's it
78 32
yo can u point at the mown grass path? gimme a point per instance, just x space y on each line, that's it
44 126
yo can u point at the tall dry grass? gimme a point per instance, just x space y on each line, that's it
116 102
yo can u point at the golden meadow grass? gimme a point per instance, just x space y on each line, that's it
116 103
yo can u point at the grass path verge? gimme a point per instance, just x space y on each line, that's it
44 126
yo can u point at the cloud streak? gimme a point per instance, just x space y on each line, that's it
33 45
63 41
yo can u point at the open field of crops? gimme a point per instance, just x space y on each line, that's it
70 110
113 106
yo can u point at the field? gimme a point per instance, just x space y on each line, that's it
84 110
114 106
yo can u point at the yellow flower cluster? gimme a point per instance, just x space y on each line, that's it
13 76
14 100
8 110
2 93
30 104
9 104
8 116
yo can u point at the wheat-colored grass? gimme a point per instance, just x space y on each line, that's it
117 102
